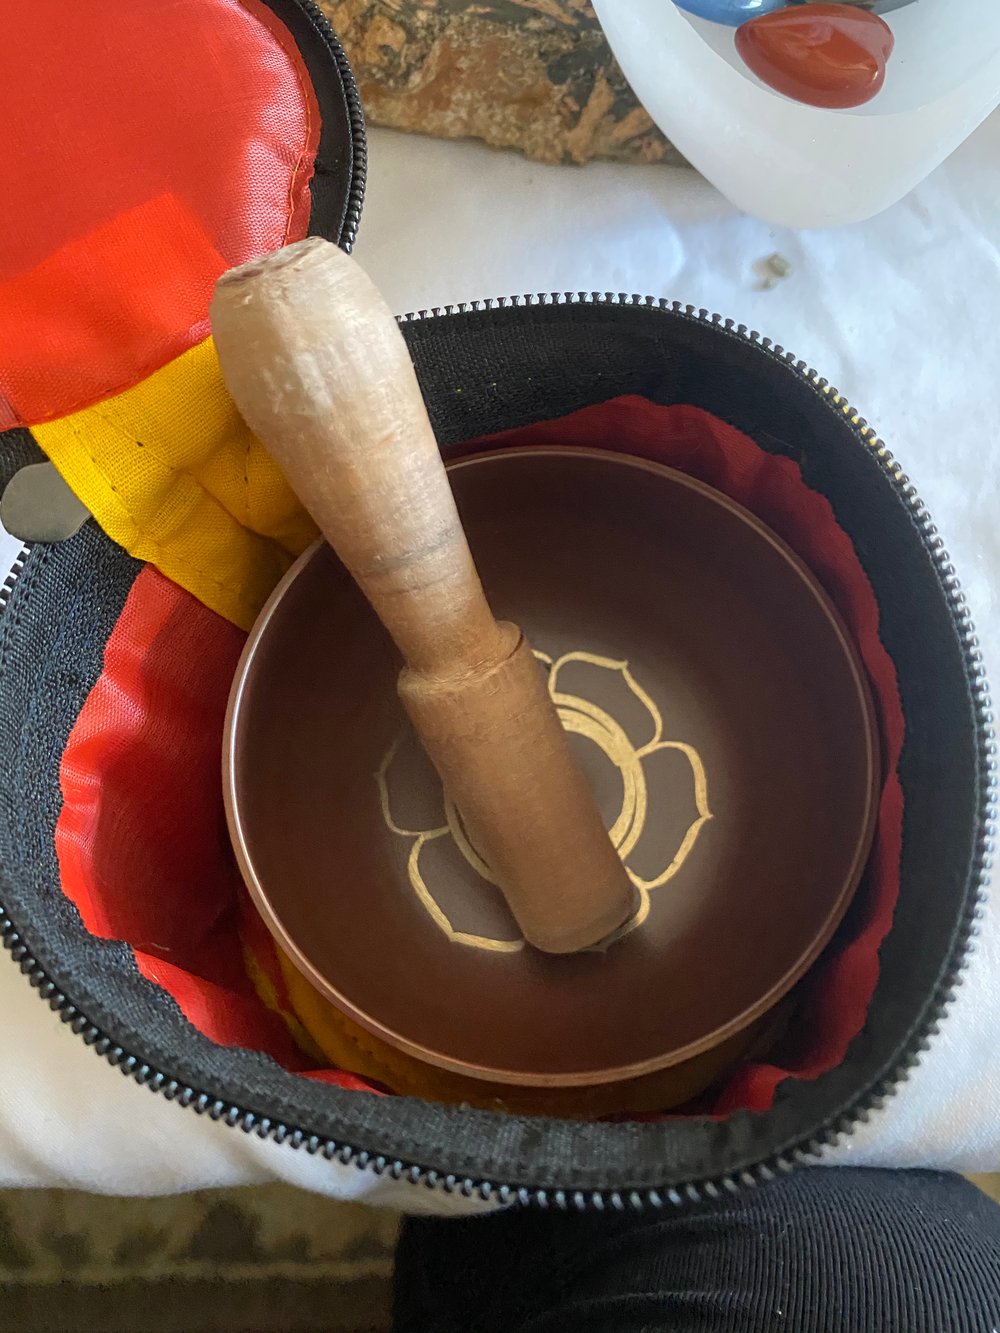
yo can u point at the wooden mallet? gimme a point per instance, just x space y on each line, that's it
319 370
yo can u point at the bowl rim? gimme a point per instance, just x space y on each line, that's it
590 1077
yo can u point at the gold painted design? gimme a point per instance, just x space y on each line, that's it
581 717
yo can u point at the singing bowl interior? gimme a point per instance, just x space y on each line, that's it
722 716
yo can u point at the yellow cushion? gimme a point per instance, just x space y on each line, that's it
171 472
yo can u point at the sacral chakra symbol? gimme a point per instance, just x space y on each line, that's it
623 743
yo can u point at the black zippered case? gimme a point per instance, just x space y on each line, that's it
520 361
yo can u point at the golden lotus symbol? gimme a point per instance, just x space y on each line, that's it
580 716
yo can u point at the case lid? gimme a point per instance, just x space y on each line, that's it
146 150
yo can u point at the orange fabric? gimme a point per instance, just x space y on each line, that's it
145 148
145 270
141 838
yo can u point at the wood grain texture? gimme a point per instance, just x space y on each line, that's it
319 370
532 75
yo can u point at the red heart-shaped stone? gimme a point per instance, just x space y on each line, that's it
825 55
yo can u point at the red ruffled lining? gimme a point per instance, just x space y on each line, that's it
142 843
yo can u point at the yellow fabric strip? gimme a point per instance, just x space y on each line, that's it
171 472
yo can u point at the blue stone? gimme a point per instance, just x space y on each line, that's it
730 12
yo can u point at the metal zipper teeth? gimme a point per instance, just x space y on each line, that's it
7 587
356 116
780 1163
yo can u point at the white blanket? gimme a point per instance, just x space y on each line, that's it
899 313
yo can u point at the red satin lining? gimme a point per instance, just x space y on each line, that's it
145 148
141 839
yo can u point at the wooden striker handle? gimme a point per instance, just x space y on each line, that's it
316 365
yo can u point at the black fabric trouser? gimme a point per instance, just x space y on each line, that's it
826 1250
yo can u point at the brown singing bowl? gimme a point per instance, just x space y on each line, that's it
721 714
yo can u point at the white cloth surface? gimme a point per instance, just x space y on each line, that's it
899 313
